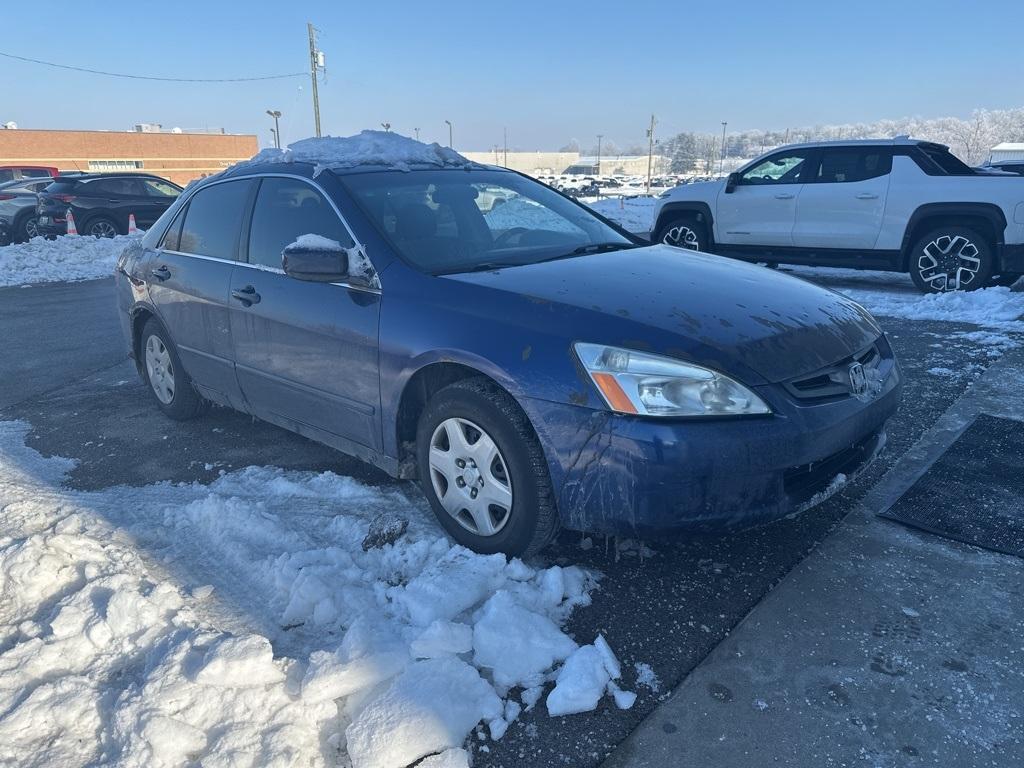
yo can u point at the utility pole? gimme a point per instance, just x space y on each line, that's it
449 134
721 163
417 130
650 153
599 137
316 61
506 147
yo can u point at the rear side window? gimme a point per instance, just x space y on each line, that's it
213 220
842 165
156 188
936 160
114 187
286 209
60 187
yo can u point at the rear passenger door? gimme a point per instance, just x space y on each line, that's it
843 200
305 352
189 281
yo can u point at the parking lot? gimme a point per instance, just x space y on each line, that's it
665 602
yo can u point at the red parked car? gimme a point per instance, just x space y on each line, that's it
16 172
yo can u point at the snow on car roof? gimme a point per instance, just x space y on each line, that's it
367 149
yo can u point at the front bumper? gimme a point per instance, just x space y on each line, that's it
1011 257
617 474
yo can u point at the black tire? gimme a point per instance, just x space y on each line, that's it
23 228
101 226
951 258
184 403
532 520
684 231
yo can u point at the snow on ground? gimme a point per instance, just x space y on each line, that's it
64 258
243 624
634 214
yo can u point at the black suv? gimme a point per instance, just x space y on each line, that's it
102 203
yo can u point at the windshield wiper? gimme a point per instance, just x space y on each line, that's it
591 248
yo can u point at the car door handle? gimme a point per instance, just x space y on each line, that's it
247 296
784 196
161 273
867 196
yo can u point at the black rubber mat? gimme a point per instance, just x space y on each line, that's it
974 493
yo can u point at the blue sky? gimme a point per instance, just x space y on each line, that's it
548 71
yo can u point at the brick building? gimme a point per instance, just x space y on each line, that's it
179 157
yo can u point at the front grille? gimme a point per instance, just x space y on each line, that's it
833 382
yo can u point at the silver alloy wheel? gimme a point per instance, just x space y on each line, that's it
102 229
681 236
949 263
159 370
31 227
470 476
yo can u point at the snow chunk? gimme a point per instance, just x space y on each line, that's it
443 638
516 644
368 148
584 678
646 677
430 707
458 581
450 758
239 662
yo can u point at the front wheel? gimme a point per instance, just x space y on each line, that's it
951 259
684 232
483 470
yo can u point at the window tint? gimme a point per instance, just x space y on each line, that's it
783 168
156 188
936 160
115 187
286 209
847 164
213 219
172 237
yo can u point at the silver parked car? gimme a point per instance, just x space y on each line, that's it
18 207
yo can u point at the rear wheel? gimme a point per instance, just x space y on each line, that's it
951 259
101 227
683 232
483 470
26 228
168 382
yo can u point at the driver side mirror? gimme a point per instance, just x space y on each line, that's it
315 259
731 182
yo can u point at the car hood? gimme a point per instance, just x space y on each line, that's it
712 310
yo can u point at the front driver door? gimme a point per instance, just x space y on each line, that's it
305 352
761 209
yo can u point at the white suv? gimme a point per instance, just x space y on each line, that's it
889 204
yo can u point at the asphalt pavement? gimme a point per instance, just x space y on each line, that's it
62 369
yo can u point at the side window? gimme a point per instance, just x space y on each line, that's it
213 220
160 188
286 209
782 168
172 237
848 164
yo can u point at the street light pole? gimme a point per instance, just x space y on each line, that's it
449 122
599 137
650 153
721 164
276 114
417 130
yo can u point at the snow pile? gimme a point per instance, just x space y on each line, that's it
65 258
368 148
243 623
634 214
996 307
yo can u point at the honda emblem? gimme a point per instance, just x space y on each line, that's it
858 380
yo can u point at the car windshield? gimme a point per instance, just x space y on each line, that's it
448 221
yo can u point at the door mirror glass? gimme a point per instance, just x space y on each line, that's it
731 182
317 259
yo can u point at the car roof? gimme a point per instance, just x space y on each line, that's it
95 176
896 141
311 170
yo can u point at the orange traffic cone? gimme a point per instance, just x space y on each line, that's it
72 229
132 229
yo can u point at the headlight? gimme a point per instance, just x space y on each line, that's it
650 385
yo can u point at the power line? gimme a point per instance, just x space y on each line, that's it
148 77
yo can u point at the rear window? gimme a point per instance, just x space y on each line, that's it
60 187
213 220
939 161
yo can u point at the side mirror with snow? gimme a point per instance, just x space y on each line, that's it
316 259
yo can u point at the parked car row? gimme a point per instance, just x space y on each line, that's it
100 202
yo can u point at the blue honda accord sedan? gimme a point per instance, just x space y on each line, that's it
533 365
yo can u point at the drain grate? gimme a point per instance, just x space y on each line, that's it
974 493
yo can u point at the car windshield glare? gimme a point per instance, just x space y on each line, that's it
448 221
